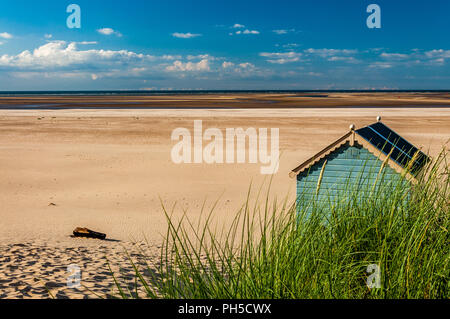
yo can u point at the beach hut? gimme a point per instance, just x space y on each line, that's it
363 160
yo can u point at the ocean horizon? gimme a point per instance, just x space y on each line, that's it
196 92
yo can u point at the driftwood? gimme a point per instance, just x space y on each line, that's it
87 233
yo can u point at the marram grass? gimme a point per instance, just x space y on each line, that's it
306 250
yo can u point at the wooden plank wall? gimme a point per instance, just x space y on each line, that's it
348 169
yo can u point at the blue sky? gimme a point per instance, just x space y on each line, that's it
224 45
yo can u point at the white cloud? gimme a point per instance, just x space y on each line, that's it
238 26
62 54
433 54
380 65
437 57
394 56
6 35
245 69
246 65
433 57
185 35
247 31
226 64
48 36
325 53
203 65
64 59
348 59
438 61
170 57
283 31
106 31
87 42
109 31
200 56
281 58
242 70
75 60
333 55
72 60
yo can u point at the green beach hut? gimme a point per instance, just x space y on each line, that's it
362 160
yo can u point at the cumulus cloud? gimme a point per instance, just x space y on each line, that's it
75 60
61 59
433 54
437 57
246 65
394 56
109 31
62 54
281 57
226 64
203 65
238 26
185 35
241 70
170 57
48 36
200 56
416 56
6 35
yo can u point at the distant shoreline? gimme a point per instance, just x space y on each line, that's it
112 107
225 100
200 92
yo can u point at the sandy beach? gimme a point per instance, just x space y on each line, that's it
104 163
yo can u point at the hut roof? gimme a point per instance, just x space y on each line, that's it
381 141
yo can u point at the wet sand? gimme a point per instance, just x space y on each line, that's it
107 169
234 100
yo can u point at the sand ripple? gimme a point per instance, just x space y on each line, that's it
39 270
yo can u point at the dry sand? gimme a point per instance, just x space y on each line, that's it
107 169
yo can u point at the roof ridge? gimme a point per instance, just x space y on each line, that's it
357 136
321 154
